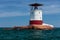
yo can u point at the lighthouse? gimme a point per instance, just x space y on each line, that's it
36 21
36 14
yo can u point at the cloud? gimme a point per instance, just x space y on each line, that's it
51 9
8 8
11 14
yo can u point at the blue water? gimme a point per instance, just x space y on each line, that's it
30 34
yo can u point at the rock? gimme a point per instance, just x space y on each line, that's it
38 27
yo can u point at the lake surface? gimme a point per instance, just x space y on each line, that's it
30 34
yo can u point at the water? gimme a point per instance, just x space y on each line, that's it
30 34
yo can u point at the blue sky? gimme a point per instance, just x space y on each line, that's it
16 12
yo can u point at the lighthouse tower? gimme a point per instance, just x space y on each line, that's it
36 14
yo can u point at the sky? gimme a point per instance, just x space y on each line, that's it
17 12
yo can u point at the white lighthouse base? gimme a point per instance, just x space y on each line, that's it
48 25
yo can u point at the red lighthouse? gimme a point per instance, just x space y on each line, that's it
36 14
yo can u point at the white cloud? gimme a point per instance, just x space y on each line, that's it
51 9
10 14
